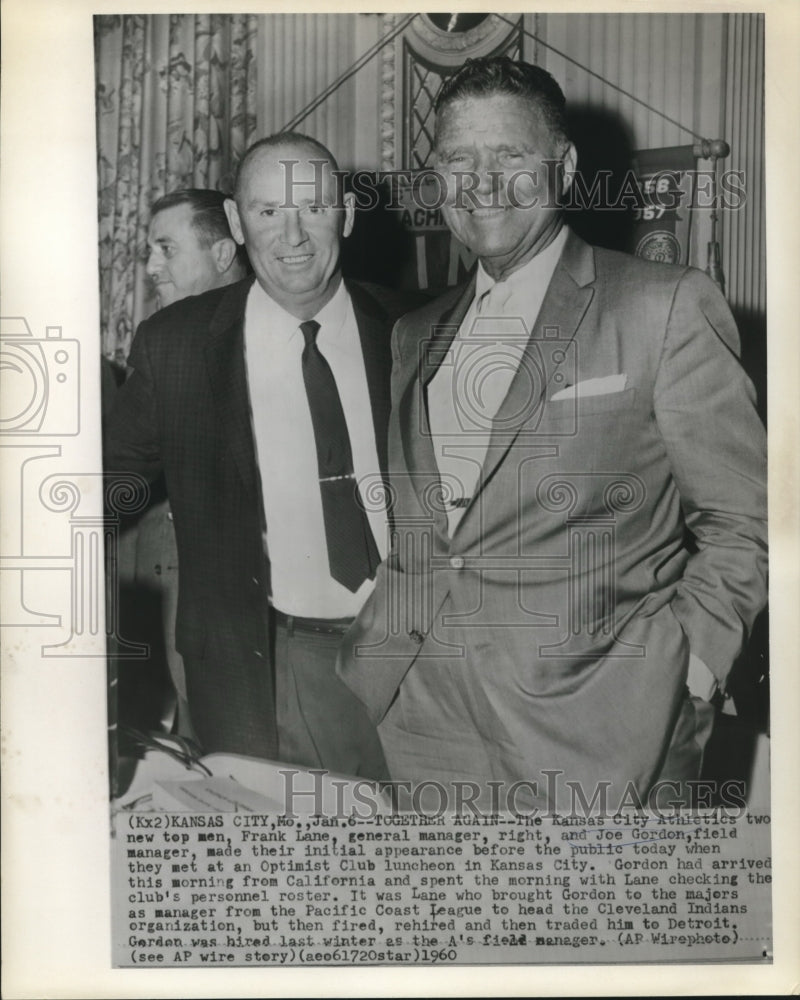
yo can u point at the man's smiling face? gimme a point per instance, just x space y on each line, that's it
294 250
481 143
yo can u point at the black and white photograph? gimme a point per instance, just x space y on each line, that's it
399 475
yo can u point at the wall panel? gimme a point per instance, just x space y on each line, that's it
669 61
744 236
299 57
704 72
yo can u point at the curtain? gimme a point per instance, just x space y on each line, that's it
176 108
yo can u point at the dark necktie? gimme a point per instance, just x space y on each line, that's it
352 554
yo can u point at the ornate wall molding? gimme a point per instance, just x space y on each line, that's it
431 48
388 88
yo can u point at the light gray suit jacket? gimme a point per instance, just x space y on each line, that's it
608 535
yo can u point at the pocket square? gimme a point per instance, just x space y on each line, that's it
592 387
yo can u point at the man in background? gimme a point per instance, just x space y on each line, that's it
266 404
190 251
579 482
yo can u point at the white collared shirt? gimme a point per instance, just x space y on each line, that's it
287 454
473 379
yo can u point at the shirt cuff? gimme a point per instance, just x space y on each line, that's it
700 681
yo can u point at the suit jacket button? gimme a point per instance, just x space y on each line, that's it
258 653
417 636
456 562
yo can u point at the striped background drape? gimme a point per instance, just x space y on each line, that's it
176 107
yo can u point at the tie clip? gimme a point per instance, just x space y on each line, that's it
333 479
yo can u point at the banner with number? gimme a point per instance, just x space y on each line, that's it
662 221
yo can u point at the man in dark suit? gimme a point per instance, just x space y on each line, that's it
266 406
579 493
190 250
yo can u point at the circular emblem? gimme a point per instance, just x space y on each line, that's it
660 245
457 22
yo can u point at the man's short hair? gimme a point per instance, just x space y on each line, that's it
277 140
501 75
208 214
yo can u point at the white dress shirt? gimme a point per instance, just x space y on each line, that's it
287 455
473 380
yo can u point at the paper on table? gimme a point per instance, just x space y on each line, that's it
213 794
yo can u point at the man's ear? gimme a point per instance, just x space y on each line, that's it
232 212
570 161
224 253
349 213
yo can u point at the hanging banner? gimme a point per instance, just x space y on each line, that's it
667 180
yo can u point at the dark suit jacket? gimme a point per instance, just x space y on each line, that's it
185 409
608 537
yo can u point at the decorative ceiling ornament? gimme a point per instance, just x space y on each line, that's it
448 39
456 22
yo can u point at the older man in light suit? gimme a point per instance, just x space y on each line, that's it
577 471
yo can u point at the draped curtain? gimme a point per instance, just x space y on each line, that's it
176 108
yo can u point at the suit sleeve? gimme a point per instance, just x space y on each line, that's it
131 439
705 408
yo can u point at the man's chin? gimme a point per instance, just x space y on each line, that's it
300 276
487 238
301 282
491 249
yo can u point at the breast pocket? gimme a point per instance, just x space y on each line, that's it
576 410
593 435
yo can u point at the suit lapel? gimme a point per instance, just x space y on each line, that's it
372 325
565 303
441 334
435 337
431 346
228 378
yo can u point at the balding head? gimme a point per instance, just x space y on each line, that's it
289 145
290 213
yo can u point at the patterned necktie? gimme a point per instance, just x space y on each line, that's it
352 553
